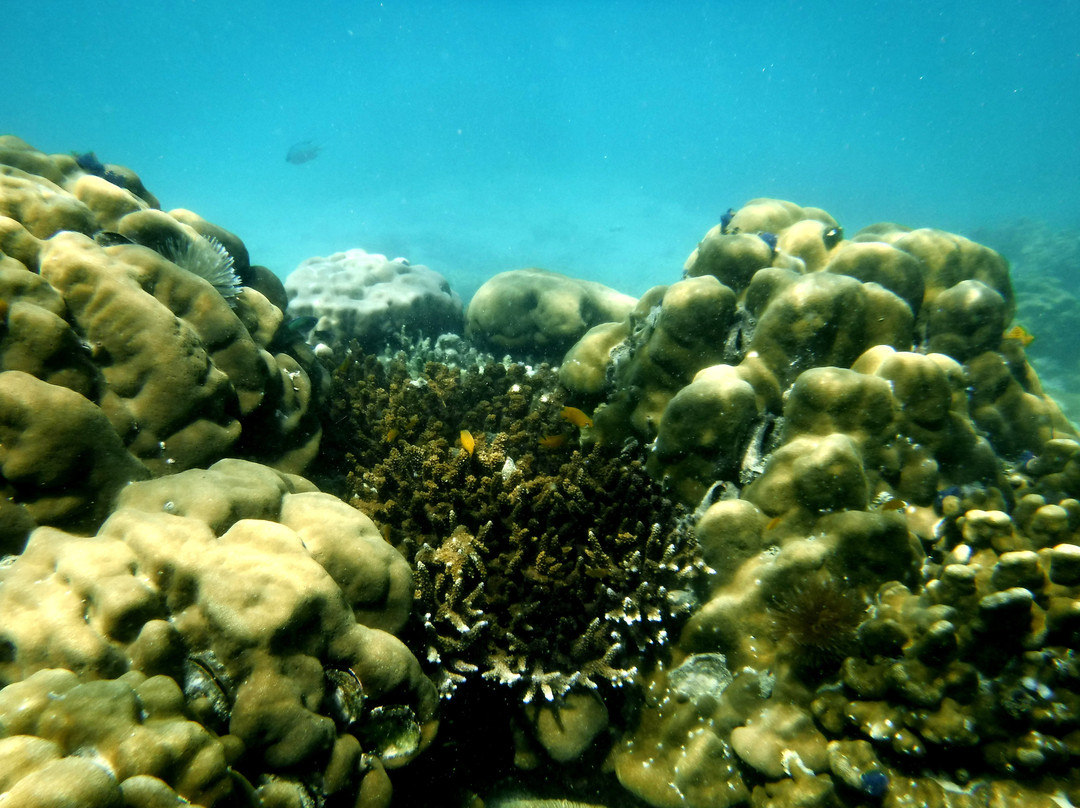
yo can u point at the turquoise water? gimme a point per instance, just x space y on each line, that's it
599 139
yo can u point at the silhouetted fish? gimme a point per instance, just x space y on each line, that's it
302 152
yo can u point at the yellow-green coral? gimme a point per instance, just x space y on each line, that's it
93 304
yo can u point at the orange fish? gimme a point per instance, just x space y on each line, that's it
772 523
1019 333
576 417
468 442
552 441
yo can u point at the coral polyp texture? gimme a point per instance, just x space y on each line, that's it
105 314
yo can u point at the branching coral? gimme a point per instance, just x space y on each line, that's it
544 569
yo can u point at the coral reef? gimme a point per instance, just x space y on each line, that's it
801 528
885 495
535 313
258 607
698 368
355 296
96 317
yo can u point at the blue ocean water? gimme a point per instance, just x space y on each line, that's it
600 139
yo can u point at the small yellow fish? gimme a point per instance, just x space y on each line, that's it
468 442
1019 333
894 505
772 523
552 441
576 417
391 435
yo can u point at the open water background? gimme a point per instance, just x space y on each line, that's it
601 139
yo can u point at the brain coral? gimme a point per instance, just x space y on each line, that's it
92 303
366 298
264 613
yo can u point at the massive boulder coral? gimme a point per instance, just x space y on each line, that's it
100 295
887 503
258 607
103 743
368 298
802 297
541 313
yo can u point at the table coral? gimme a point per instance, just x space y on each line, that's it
267 607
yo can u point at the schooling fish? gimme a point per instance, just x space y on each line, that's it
302 152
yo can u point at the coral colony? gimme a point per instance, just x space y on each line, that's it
799 528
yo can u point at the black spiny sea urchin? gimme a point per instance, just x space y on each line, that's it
815 621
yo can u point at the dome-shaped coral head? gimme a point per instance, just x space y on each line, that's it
814 622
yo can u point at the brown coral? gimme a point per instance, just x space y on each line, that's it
542 569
